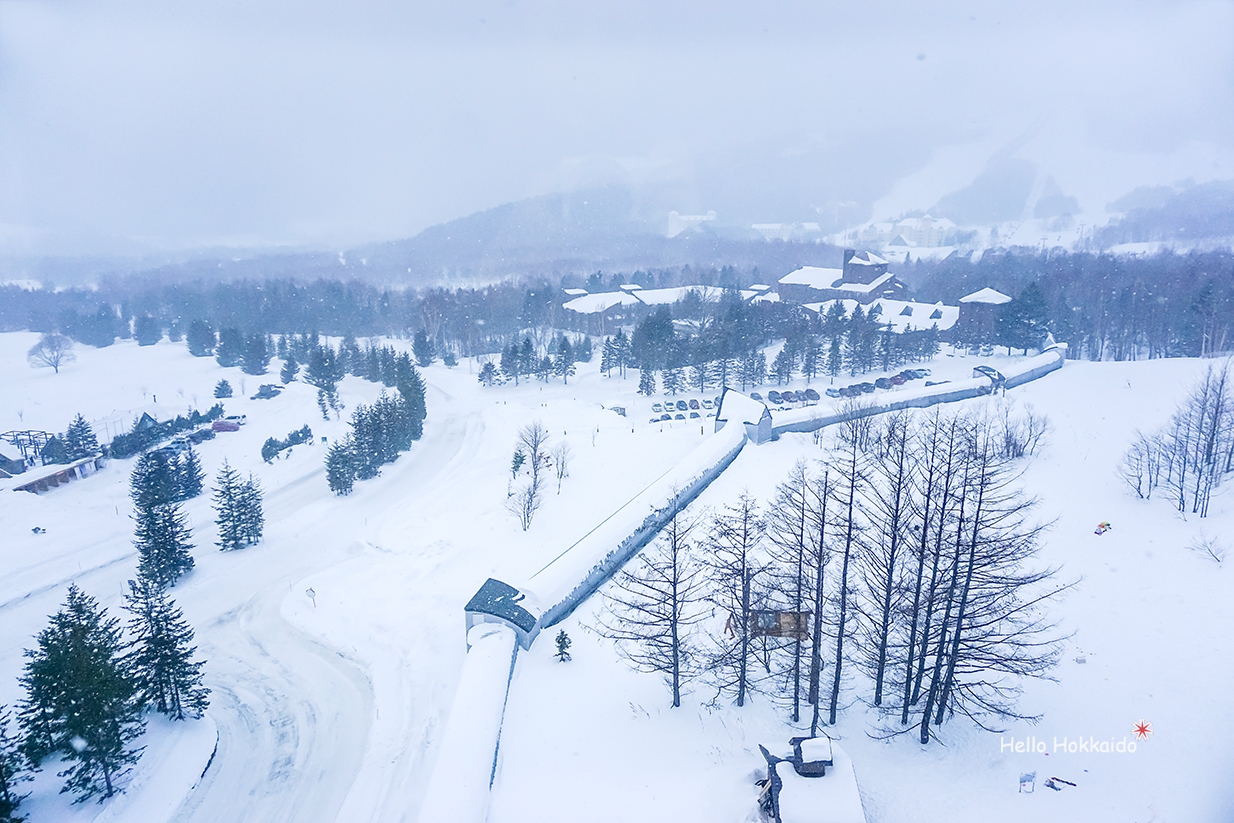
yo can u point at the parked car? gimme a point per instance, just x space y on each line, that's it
812 396
834 392
865 388
922 372
694 415
666 416
682 405
756 396
788 396
679 417
898 380
882 383
238 419
655 420
224 425
707 404
694 404
774 396
657 408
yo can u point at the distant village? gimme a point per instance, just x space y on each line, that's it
864 280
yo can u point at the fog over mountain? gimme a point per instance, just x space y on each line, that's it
141 128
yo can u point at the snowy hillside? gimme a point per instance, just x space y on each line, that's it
329 706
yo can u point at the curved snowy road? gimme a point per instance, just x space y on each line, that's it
295 712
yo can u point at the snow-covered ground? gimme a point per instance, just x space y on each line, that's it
330 707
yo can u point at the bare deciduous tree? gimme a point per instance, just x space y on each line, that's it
51 352
561 462
524 503
652 607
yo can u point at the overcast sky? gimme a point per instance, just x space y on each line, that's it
268 122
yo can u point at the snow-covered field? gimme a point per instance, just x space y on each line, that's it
330 707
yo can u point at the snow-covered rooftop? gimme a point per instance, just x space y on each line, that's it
865 258
815 277
865 288
986 295
593 303
576 292
658 297
740 408
900 313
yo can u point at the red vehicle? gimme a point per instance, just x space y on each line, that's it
225 426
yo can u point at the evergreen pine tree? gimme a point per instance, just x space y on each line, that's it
422 348
252 519
160 657
190 476
79 440
290 367
582 351
341 466
607 357
230 350
154 481
674 380
81 703
621 351
13 771
563 646
147 330
488 374
222 389
256 356
646 381
227 504
200 339
162 540
563 365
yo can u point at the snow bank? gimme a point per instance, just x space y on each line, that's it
919 397
576 573
467 758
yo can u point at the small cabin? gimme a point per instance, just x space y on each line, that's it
772 623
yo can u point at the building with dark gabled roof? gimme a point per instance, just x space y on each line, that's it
498 602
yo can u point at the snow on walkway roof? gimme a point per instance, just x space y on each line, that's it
595 303
987 295
813 276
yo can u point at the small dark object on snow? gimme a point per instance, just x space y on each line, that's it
563 646
1053 781
1102 527
39 530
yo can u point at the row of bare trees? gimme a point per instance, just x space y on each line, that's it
1190 456
898 570
534 457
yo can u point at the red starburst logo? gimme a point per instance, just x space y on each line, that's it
1142 729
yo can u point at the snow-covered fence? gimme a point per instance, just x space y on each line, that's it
576 574
807 420
458 791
